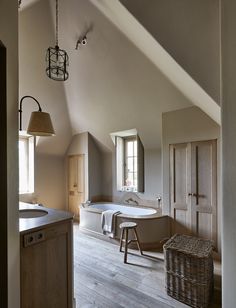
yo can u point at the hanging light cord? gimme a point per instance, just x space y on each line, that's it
56 22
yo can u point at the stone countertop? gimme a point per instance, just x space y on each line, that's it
53 216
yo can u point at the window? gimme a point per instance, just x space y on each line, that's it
26 164
129 163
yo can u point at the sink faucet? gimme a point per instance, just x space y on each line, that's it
132 200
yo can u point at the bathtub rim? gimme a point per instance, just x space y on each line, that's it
139 217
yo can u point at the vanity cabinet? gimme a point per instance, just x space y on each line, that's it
46 266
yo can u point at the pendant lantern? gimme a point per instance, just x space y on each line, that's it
57 59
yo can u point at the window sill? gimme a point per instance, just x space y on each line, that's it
26 193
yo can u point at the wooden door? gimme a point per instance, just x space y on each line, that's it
204 189
76 183
193 188
180 170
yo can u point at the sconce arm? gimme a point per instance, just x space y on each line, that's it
20 110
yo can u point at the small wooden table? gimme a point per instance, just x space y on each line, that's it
126 226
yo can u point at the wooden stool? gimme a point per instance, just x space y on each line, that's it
126 226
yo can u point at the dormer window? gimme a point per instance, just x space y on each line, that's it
129 162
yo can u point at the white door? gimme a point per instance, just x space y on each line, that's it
193 190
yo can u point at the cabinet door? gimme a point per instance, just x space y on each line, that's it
180 170
204 189
46 270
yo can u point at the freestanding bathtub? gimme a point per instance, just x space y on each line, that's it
152 226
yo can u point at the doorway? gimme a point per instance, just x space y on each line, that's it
193 188
76 183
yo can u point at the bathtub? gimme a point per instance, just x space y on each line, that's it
152 226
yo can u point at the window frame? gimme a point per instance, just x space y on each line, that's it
120 163
125 162
30 152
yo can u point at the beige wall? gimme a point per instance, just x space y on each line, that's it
35 37
107 179
9 37
94 169
190 33
188 125
97 166
50 182
79 145
229 152
36 34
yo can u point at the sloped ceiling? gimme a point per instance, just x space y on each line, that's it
189 31
112 85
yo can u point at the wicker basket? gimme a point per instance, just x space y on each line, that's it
189 269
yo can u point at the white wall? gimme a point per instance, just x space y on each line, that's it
9 37
229 152
188 125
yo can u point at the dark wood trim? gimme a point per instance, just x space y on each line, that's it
3 178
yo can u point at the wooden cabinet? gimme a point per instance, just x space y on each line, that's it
76 183
46 267
193 182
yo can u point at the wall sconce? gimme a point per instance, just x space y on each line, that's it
40 123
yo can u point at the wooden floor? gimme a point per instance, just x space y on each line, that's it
103 280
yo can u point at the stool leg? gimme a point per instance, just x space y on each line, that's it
138 243
121 239
126 245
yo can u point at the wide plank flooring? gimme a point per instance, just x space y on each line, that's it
102 279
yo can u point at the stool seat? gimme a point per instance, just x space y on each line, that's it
125 227
128 225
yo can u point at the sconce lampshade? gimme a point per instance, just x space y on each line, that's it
40 124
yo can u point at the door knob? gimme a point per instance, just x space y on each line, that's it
192 194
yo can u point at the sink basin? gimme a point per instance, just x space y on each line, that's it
32 213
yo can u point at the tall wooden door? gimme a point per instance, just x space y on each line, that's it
76 183
193 197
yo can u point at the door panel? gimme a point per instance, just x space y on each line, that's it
204 189
193 188
180 185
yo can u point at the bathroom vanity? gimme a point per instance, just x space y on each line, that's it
46 243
